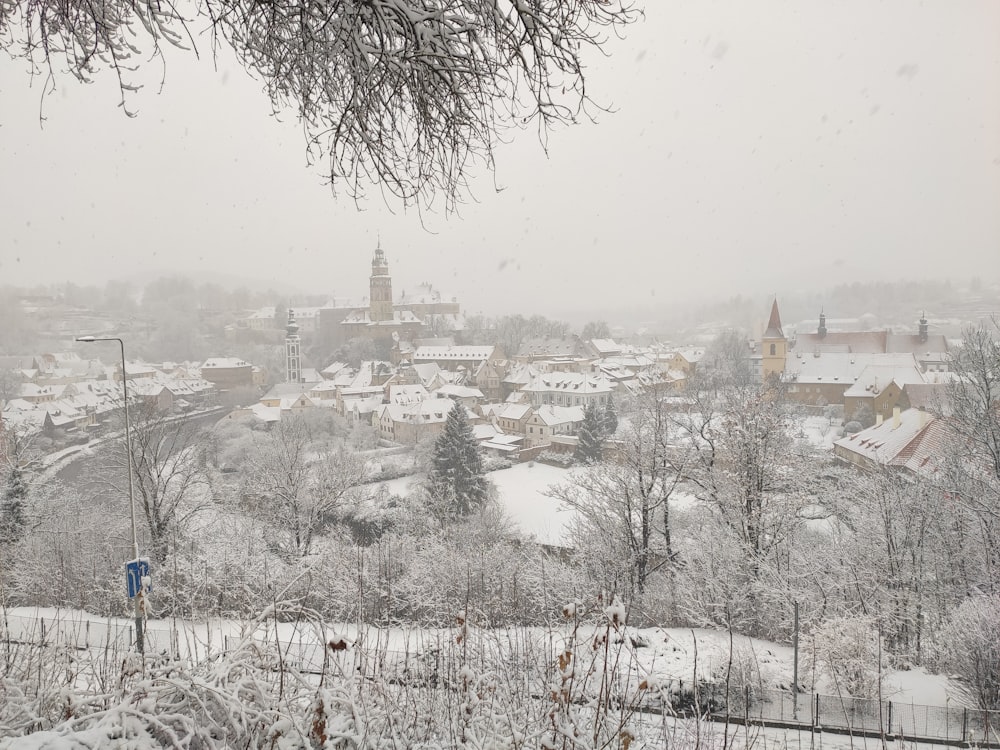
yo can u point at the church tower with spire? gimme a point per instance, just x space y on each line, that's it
380 304
293 345
774 345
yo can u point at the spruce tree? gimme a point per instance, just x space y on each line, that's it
457 478
609 422
590 435
13 507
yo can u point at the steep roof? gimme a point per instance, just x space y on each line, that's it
774 324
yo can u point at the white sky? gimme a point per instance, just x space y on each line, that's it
756 147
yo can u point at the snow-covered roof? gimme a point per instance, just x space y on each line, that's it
407 394
220 362
573 382
514 411
426 370
423 294
551 415
874 379
427 411
839 367
459 391
453 353
914 441
605 346
363 317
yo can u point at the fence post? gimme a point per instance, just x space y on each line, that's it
965 725
888 728
816 712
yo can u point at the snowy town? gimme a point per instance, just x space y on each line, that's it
505 375
610 463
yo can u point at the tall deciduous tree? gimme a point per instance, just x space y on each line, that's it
168 482
974 405
457 482
401 93
625 501
296 480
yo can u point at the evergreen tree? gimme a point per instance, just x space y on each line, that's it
591 437
610 418
457 478
13 506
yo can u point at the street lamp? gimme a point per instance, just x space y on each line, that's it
131 494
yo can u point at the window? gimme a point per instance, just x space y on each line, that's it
773 349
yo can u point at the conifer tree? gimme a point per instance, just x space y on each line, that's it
458 479
591 437
12 507
610 418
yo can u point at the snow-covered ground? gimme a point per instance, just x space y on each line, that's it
521 490
821 431
668 654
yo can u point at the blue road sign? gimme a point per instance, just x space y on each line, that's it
135 571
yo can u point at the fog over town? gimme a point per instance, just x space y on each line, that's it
475 374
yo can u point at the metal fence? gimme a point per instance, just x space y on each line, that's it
950 724
175 640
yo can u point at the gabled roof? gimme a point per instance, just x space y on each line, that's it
876 378
513 411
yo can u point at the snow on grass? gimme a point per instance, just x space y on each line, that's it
665 654
521 490
820 432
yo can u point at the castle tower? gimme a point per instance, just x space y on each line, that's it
774 345
922 331
822 325
293 345
380 304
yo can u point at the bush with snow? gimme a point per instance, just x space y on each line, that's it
969 646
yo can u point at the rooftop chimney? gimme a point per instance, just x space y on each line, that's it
895 418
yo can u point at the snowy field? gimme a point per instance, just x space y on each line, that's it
522 493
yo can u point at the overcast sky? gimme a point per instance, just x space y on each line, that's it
756 147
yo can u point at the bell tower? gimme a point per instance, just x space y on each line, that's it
293 362
774 345
380 284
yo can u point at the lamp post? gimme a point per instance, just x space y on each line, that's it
140 645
